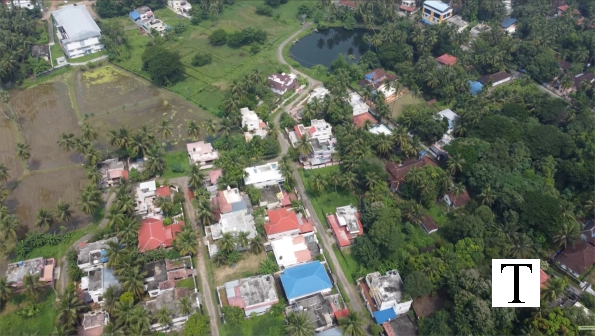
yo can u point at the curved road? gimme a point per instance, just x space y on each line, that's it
327 242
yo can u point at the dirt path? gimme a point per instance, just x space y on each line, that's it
200 260
64 262
355 300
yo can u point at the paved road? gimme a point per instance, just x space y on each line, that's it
64 263
207 297
327 242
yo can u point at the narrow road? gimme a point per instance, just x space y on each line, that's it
207 297
64 263
327 243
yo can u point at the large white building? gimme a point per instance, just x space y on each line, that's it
265 175
78 34
387 292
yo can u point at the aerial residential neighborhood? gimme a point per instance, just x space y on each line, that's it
297 168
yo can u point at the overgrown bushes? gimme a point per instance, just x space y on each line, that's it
202 59
35 239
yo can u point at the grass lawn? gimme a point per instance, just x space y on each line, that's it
88 57
175 160
40 324
348 263
204 85
398 105
42 29
438 213
258 326
326 201
187 283
56 51
244 268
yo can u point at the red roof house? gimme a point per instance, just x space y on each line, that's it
346 225
163 191
428 223
360 119
285 222
577 259
447 59
543 278
456 201
153 234
397 172
341 313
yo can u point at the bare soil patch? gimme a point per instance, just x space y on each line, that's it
245 268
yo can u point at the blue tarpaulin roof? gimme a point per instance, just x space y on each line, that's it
305 279
134 15
508 22
386 315
474 87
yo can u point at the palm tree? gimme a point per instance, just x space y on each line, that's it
318 182
520 247
69 307
155 161
303 146
227 243
3 173
455 164
193 130
164 317
31 286
186 242
256 245
88 133
458 189
416 176
349 181
93 174
138 145
164 129
185 306
88 203
120 138
123 312
45 219
9 224
81 145
226 128
242 239
132 280
298 324
415 213
66 141
129 230
110 298
220 258
114 253
204 212
64 330
6 289
567 233
211 126
352 324
196 177
63 212
92 156
335 180
23 151
555 288
488 196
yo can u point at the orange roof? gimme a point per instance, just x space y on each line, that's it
306 226
296 128
152 234
341 313
447 59
563 8
220 203
262 125
312 129
285 200
543 278
281 220
341 232
388 329
163 191
360 119
214 175
125 174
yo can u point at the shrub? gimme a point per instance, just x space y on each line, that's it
254 48
195 20
264 10
179 28
233 315
202 59
177 168
218 37
167 221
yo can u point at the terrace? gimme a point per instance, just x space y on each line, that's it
234 223
145 196
169 300
387 291
44 268
322 311
93 255
162 275
96 282
254 295
260 176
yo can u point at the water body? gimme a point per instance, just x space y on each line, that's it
324 46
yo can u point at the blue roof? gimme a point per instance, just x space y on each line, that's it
305 279
474 87
438 5
508 22
386 315
331 332
134 15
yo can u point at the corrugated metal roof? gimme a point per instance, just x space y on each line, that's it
77 22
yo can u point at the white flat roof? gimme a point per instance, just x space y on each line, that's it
267 172
380 129
290 250
150 185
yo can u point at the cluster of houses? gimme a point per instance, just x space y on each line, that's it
145 18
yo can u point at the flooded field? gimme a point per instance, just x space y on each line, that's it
107 98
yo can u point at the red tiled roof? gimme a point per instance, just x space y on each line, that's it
296 128
341 313
341 232
306 226
577 258
406 8
237 300
459 200
388 329
214 175
115 173
312 129
543 278
285 200
281 220
163 191
152 234
447 59
429 224
360 119
125 174
220 203
563 8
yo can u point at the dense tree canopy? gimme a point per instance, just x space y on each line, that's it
162 64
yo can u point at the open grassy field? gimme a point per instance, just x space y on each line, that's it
40 324
245 268
9 136
176 159
257 326
398 105
204 85
326 201
348 263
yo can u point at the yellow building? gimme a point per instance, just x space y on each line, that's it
435 12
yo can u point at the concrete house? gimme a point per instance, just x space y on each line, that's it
253 124
305 280
78 34
435 12
181 7
202 153
256 294
43 268
232 223
93 323
290 251
280 223
389 298
265 175
162 275
346 225
509 25
96 283
170 301
281 83
458 22
93 255
576 259
320 137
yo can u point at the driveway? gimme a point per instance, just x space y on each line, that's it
207 296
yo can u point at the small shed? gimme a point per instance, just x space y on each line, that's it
474 87
134 15
41 51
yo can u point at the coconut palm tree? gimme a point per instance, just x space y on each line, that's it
227 243
415 213
210 126
521 246
69 307
384 145
88 203
555 289
3 173
128 233
226 128
186 242
455 164
132 280
458 189
114 253
349 181
256 245
352 324
164 129
110 298
567 233
204 212
63 212
9 224
45 219
6 289
89 134
155 160
81 145
185 306
488 196
196 178
138 145
64 330
220 258
192 129
163 317
318 183
243 239
416 176
23 151
66 141
303 146
93 156
298 324
93 174
123 312
120 138
31 286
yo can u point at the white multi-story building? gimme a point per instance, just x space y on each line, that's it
265 175
78 34
93 255
253 124
202 153
181 7
387 292
435 12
